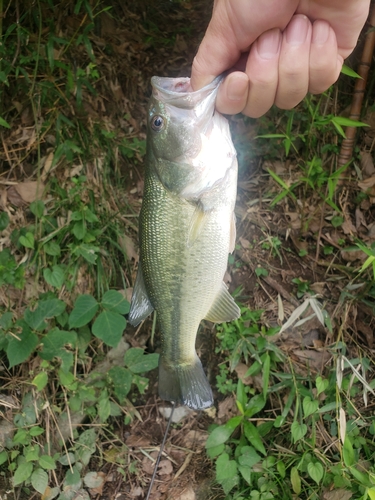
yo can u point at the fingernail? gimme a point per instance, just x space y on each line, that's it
297 30
268 44
321 31
237 87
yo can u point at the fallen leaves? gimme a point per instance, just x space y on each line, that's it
26 192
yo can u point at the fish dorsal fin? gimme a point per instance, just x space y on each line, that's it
140 306
224 308
196 225
232 241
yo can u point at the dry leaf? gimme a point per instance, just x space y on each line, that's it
148 465
241 370
195 439
30 190
367 183
367 164
348 227
136 492
165 467
128 245
351 256
188 494
359 218
339 494
227 409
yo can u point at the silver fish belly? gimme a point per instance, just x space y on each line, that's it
186 230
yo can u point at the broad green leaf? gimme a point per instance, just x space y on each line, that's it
281 468
104 409
22 473
215 450
4 221
67 380
253 437
67 459
133 356
321 385
122 381
146 363
295 480
72 477
86 446
116 302
371 493
255 405
37 208
309 407
55 340
249 457
36 431
226 472
84 310
93 480
20 348
40 381
316 472
79 229
348 452
39 480
3 457
31 453
6 320
298 431
52 248
52 307
28 240
46 309
55 276
109 327
218 436
47 462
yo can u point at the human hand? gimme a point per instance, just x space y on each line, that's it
276 53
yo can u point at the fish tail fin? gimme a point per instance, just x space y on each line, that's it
185 384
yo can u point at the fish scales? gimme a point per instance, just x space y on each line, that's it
186 229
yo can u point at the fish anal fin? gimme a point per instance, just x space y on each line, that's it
185 384
224 307
140 306
196 225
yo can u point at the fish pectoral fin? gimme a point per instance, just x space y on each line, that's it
140 306
196 225
224 308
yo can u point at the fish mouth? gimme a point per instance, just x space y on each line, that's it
178 92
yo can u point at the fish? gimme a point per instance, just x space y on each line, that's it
187 229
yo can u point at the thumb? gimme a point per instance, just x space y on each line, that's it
215 55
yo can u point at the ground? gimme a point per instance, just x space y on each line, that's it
297 232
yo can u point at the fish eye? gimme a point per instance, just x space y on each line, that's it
157 123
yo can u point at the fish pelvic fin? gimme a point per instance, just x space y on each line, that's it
140 306
224 307
185 384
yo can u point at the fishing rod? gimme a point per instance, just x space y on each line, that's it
160 451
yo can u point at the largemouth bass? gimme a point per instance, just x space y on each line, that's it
186 230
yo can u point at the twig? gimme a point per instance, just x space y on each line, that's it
359 91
